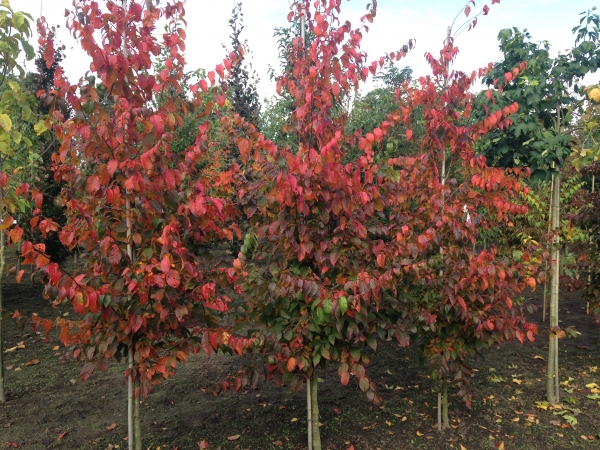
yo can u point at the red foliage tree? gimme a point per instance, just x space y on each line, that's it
142 213
314 260
465 300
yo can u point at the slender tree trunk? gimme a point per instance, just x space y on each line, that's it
549 229
309 413
314 401
439 411
445 421
2 264
130 432
552 384
587 304
19 248
137 423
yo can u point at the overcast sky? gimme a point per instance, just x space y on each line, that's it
396 22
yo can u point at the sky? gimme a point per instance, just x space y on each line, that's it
396 22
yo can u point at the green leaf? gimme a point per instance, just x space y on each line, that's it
18 19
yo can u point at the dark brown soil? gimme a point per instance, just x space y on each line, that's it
49 407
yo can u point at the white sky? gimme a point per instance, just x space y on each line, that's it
396 22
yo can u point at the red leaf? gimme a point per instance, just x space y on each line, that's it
158 124
173 279
92 184
409 135
136 323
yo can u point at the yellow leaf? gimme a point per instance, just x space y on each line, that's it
295 419
594 94
5 122
517 381
233 438
55 348
388 423
516 419
538 357
33 362
419 433
591 385
462 447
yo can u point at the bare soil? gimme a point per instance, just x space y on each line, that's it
48 406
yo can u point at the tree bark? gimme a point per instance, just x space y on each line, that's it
137 424
439 411
316 433
309 413
445 421
130 433
552 382
2 264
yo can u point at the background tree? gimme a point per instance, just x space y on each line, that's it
548 91
15 32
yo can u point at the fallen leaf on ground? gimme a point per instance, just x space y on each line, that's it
10 444
294 419
517 381
388 423
203 444
462 447
233 438
337 410
369 427
516 419
111 427
56 347
62 435
555 422
278 444
33 362
419 433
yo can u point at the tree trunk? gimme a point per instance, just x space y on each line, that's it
445 421
137 424
316 433
309 413
19 248
130 433
549 229
439 411
587 305
552 382
2 264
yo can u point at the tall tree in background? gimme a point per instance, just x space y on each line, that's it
241 85
548 90
15 31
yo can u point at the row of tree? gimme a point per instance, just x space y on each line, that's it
354 228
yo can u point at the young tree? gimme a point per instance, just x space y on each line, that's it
314 261
465 300
135 206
